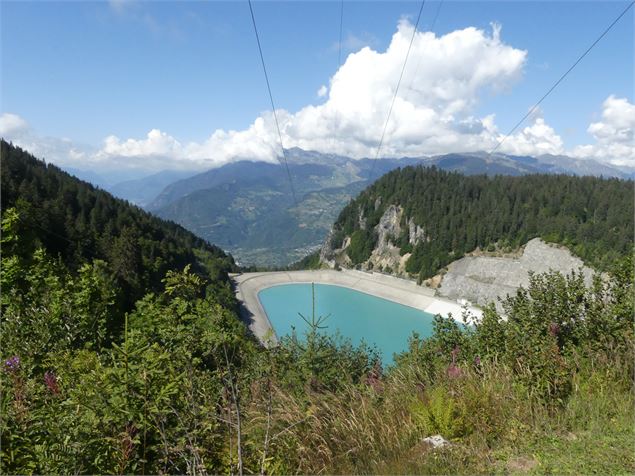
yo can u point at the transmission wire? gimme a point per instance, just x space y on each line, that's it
273 107
383 134
535 106
434 22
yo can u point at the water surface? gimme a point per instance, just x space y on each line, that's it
356 315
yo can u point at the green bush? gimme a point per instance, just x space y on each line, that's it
361 246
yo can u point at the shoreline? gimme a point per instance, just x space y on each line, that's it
401 291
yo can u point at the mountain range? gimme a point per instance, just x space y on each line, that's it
248 208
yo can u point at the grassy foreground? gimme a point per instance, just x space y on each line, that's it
496 424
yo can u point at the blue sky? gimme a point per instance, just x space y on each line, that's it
88 70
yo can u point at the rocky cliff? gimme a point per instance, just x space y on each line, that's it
387 255
478 278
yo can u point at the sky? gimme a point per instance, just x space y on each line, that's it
160 85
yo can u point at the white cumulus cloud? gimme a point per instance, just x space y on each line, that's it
16 129
536 139
156 143
614 134
431 115
12 125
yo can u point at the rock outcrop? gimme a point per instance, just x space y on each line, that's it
475 279
484 279
386 255
436 441
331 256
388 228
415 233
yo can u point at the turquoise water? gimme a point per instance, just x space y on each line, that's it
357 316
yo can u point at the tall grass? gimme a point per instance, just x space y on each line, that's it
494 422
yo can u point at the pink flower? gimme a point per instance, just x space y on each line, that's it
554 329
51 382
453 371
373 379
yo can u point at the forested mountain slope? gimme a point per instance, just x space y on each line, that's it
80 223
430 217
248 209
477 163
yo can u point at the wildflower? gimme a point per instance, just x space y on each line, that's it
453 371
477 365
554 329
51 382
12 367
12 364
127 441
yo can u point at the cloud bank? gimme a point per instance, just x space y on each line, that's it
433 113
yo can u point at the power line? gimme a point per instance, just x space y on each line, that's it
339 56
383 134
51 232
273 107
436 15
535 106
336 118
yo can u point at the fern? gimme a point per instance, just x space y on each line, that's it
437 413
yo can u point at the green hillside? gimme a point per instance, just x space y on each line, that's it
79 223
593 216
247 207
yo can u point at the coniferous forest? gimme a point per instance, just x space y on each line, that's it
458 213
122 351
79 223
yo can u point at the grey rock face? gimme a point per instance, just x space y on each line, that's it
330 256
388 227
362 220
483 279
415 233
327 254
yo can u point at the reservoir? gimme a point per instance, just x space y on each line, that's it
355 315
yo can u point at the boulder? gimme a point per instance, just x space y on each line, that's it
436 441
